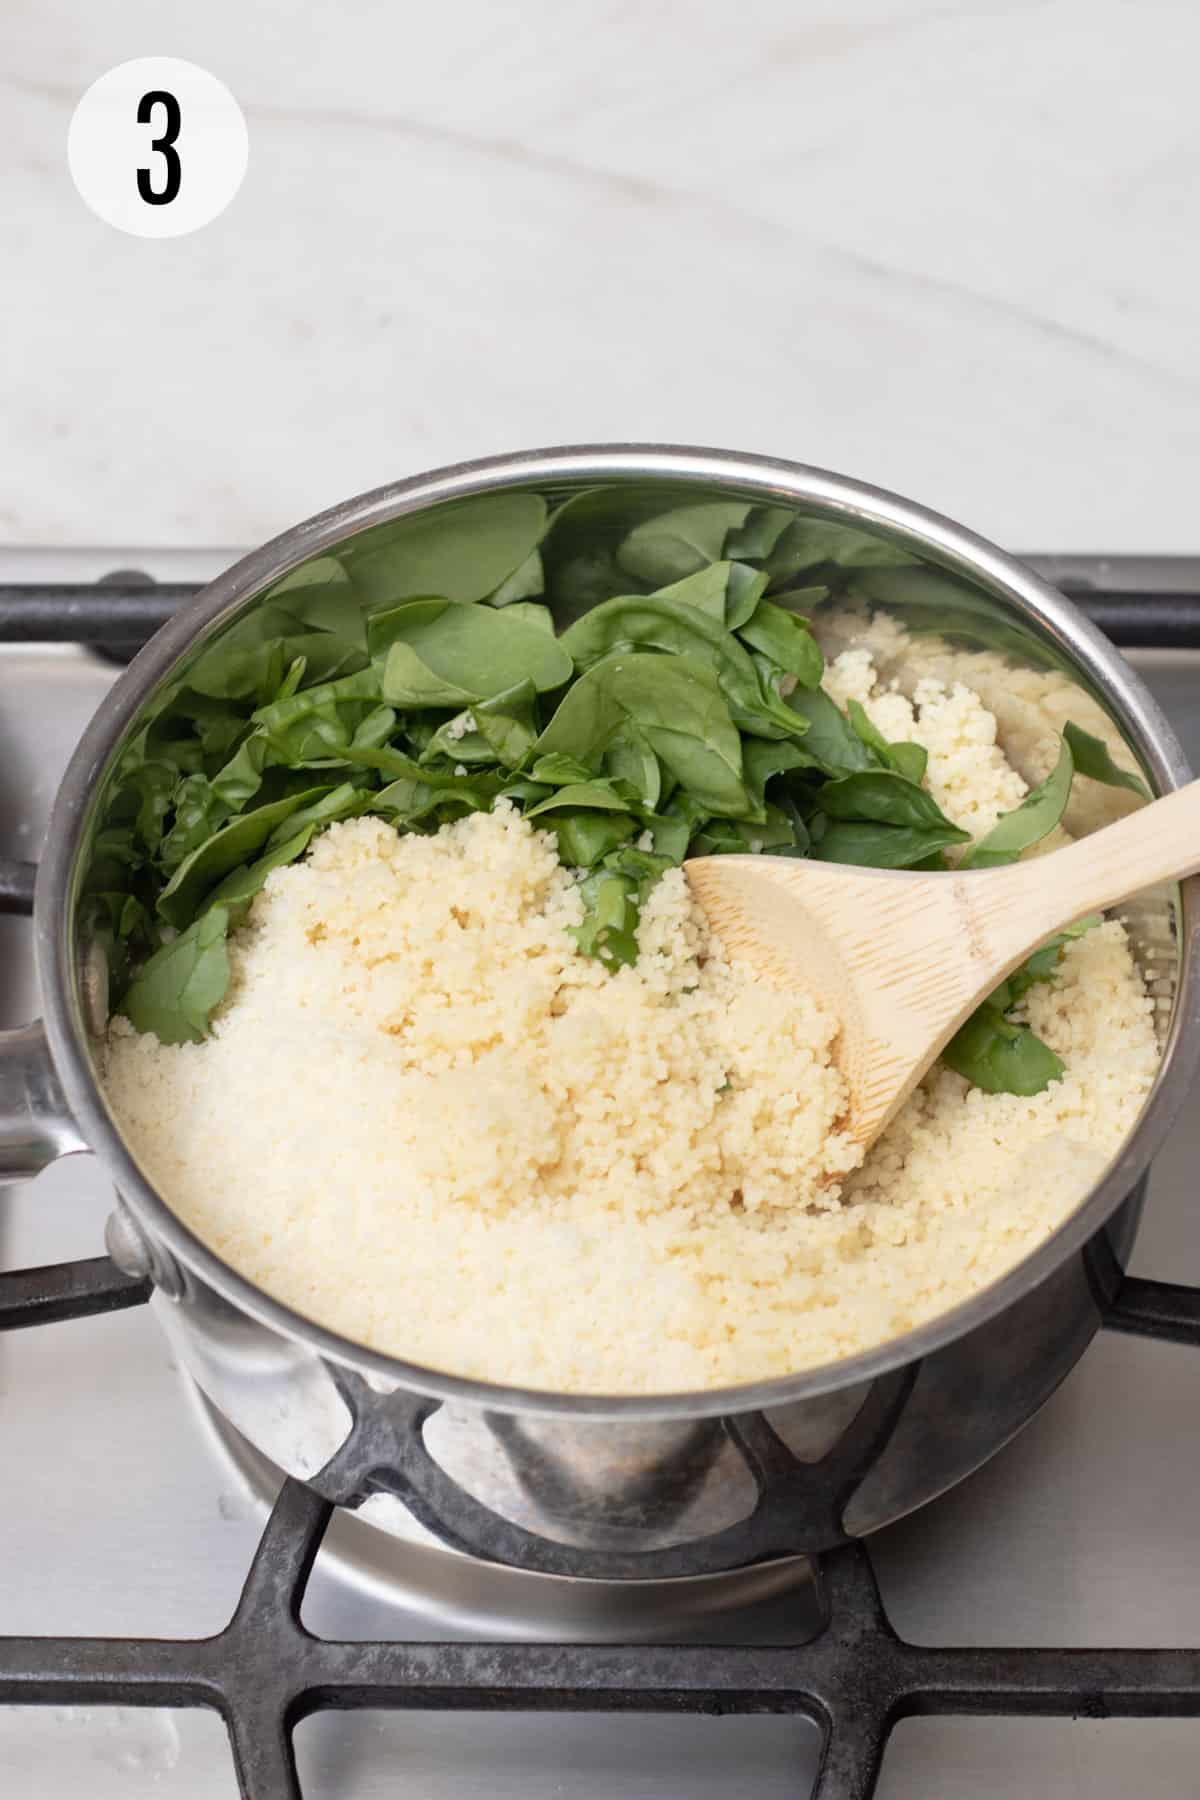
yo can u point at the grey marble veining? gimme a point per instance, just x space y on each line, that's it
946 247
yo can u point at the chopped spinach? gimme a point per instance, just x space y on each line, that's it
638 677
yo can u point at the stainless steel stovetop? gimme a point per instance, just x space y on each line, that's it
121 1512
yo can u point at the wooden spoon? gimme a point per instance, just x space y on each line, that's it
904 958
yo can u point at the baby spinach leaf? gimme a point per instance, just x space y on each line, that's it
462 549
723 836
446 654
532 612
759 532
174 994
238 889
197 814
826 545
670 833
830 739
1041 966
180 900
869 845
251 658
993 1053
885 798
650 621
523 792
764 758
1038 813
676 705
508 723
802 601
727 592
318 726
557 768
598 795
580 546
609 928
412 801
629 758
375 729
523 585
341 802
585 837
786 640
679 542
1092 758
909 760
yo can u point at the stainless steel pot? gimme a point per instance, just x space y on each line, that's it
623 1488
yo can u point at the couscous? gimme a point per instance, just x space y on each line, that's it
425 1118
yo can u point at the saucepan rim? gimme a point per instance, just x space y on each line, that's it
1056 620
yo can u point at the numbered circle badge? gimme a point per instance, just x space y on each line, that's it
158 147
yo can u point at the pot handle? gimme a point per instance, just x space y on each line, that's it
16 885
36 1126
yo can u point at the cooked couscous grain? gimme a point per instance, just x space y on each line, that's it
424 1119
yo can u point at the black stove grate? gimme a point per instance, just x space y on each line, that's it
265 1671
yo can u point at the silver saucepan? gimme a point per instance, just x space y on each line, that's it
622 1489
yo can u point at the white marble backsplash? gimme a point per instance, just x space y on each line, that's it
951 247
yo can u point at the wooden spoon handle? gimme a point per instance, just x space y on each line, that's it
1160 842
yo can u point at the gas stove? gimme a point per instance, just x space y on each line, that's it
176 1619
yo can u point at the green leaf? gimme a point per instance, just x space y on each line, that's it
462 549
341 802
788 642
181 899
1041 966
764 758
445 654
197 814
557 768
652 622
249 660
609 928
676 705
1092 759
755 538
629 758
174 994
727 592
679 542
523 585
874 846
317 727
802 601
830 739
238 889
1038 813
531 612
723 836
579 549
828 546
671 833
909 760
885 798
599 795
993 1053
585 837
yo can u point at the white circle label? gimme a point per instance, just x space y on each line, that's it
157 147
